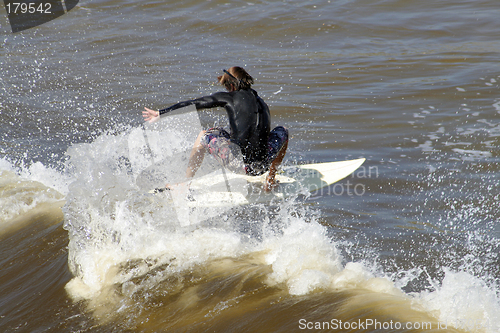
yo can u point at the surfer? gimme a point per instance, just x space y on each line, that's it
261 148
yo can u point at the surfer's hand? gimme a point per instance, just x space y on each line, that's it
151 116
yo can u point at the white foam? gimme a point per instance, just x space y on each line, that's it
118 233
99 266
47 176
465 302
113 221
24 189
6 165
303 258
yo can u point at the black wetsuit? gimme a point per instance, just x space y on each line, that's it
249 120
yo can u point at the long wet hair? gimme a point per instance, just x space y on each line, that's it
237 77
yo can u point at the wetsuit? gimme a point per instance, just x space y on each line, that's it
250 124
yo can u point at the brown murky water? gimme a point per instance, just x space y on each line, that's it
409 243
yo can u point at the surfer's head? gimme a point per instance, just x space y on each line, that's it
235 78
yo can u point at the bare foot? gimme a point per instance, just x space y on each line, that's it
270 184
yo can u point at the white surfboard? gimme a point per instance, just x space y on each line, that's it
222 188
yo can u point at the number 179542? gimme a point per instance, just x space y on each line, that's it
30 8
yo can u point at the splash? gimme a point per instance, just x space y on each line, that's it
126 244
463 301
27 191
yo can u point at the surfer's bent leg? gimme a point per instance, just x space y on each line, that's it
277 146
196 156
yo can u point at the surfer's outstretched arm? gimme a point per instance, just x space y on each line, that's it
206 102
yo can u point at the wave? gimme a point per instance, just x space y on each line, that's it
274 267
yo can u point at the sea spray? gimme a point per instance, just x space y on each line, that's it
463 301
125 242
27 191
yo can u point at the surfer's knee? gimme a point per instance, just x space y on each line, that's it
201 135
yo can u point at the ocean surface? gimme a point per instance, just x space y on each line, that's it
409 243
